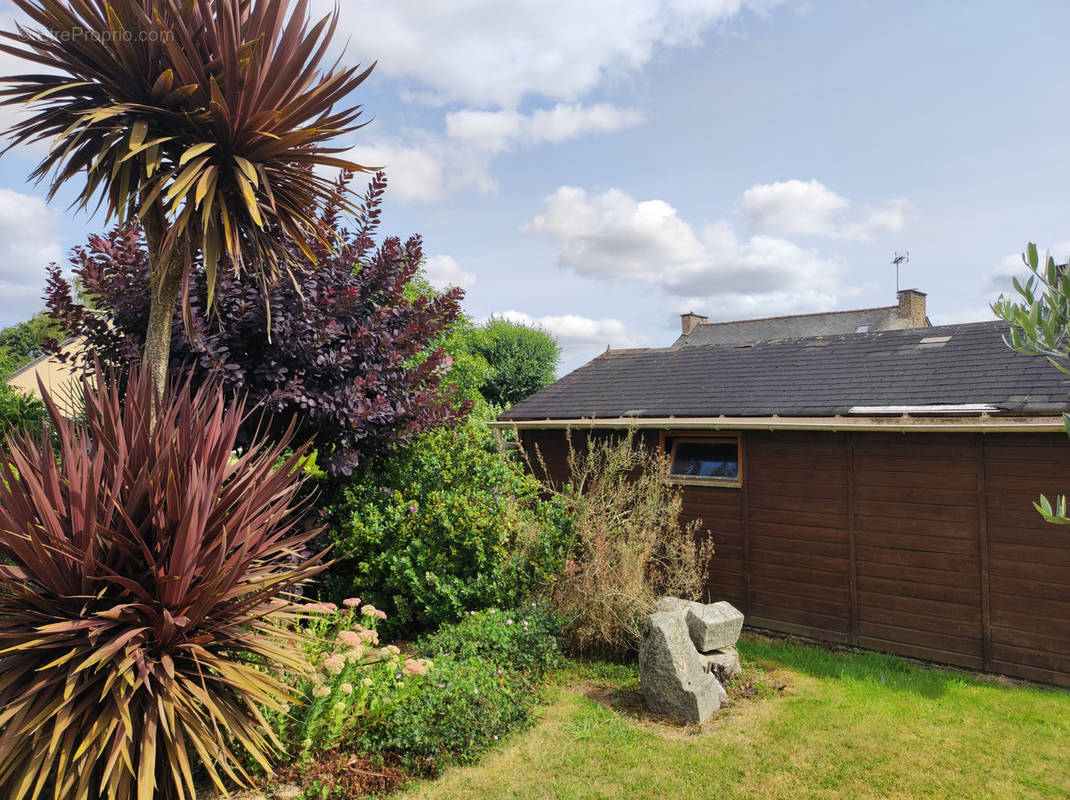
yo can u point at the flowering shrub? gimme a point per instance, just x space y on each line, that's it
443 526
352 678
485 683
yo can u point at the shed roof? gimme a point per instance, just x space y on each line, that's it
956 365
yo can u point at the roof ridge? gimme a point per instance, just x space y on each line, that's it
39 360
924 332
793 316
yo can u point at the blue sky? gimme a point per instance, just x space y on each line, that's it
600 167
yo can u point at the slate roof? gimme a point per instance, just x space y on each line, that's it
816 376
831 323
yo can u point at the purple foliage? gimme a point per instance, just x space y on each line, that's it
348 351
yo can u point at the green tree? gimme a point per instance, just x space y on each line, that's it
22 343
468 371
1040 325
521 359
203 120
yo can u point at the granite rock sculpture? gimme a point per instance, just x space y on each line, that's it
687 651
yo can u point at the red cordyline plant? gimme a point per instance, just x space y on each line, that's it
141 597
204 120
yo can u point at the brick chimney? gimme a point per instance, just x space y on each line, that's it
691 320
912 307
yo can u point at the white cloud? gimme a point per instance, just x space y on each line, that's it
809 208
581 338
497 131
613 236
443 271
28 243
415 174
12 65
1000 281
492 53
572 330
424 168
10 115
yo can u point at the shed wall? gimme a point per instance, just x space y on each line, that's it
924 545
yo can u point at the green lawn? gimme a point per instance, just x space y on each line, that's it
842 726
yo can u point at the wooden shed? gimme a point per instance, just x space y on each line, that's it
873 489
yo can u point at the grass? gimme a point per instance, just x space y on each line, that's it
807 723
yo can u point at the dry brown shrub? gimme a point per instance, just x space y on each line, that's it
626 547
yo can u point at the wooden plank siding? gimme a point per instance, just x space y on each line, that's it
798 563
911 579
924 545
1028 562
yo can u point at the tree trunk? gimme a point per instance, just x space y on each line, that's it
164 286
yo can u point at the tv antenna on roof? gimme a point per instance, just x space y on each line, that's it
899 259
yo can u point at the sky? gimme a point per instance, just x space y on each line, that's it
598 167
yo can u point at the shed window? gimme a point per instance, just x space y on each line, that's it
705 460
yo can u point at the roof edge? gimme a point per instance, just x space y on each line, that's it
905 423
39 360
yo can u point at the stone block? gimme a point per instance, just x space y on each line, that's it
669 603
674 680
723 664
714 626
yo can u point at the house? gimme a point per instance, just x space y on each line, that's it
62 382
908 312
871 488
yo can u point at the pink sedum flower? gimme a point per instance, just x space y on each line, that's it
351 602
354 654
414 667
350 638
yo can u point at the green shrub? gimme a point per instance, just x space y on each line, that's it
20 410
477 694
526 640
456 716
443 526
